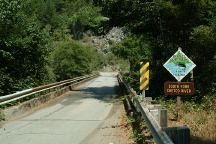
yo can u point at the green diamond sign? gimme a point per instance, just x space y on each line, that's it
179 65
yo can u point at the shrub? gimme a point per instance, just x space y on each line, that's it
71 58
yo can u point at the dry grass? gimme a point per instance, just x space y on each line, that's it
200 118
202 126
126 128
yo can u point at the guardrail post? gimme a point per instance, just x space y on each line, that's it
162 115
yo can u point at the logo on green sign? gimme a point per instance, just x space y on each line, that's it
179 65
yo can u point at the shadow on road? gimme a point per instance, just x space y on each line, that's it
105 94
100 93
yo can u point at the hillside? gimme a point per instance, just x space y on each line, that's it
43 41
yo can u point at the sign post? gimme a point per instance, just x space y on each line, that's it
144 77
179 65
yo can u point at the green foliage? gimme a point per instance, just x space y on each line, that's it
23 47
133 48
2 116
116 62
28 31
161 26
5 83
82 15
70 59
202 39
131 120
138 127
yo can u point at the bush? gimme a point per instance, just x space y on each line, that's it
133 48
70 59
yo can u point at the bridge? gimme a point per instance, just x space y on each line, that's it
84 110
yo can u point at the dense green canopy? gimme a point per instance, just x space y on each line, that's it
33 32
158 28
29 30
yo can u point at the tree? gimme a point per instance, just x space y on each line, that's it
165 26
23 46
133 48
71 59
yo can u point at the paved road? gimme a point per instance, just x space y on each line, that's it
70 121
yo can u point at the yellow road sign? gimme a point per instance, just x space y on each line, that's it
144 76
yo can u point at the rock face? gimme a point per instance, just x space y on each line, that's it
104 43
115 34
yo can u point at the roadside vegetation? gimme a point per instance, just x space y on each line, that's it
2 118
141 133
40 41
72 58
200 118
155 31
43 41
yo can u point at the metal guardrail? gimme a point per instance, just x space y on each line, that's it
159 136
42 89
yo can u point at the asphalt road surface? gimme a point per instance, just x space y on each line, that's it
69 121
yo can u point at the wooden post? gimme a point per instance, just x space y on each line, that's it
162 117
178 108
192 76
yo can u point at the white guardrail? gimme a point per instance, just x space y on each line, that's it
41 90
150 115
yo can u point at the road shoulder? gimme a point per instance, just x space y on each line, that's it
114 129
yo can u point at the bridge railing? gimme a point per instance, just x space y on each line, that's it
41 90
159 136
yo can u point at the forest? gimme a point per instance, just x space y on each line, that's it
43 41
39 42
155 30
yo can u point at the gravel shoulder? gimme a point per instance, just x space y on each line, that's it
114 130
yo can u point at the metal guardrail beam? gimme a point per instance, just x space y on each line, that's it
159 136
26 93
